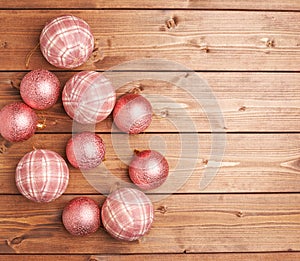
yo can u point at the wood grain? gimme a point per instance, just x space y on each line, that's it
250 163
248 52
181 4
184 223
286 256
231 102
201 40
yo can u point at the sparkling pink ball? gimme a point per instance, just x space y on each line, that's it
148 169
17 122
132 113
42 175
88 97
67 41
127 214
81 216
40 89
85 150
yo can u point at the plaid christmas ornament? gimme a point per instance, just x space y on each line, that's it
88 97
127 214
42 175
67 42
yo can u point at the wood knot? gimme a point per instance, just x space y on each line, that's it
201 46
292 164
16 240
109 42
136 89
239 214
163 209
97 56
3 44
205 161
270 43
164 113
15 83
172 23
205 48
243 108
4 146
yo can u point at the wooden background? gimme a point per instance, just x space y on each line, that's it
248 52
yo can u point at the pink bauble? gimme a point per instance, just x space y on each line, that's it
88 97
127 214
67 42
40 89
42 175
85 150
132 113
148 169
81 216
17 122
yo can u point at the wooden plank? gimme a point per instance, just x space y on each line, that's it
201 40
287 256
184 223
250 163
240 102
181 4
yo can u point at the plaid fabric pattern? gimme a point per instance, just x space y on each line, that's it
42 175
88 97
127 214
67 42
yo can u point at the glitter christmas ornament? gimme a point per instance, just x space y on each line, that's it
40 89
81 216
88 97
18 122
42 175
148 169
67 42
85 150
127 214
132 113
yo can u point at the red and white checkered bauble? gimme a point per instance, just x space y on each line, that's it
42 175
127 214
88 97
67 41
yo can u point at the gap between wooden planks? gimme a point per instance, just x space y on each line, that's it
201 40
251 163
184 4
160 257
183 224
242 102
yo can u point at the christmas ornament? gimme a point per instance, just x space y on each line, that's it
18 122
85 150
40 89
67 42
132 113
42 175
148 169
88 97
81 216
127 214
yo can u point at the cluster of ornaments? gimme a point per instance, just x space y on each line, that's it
88 98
